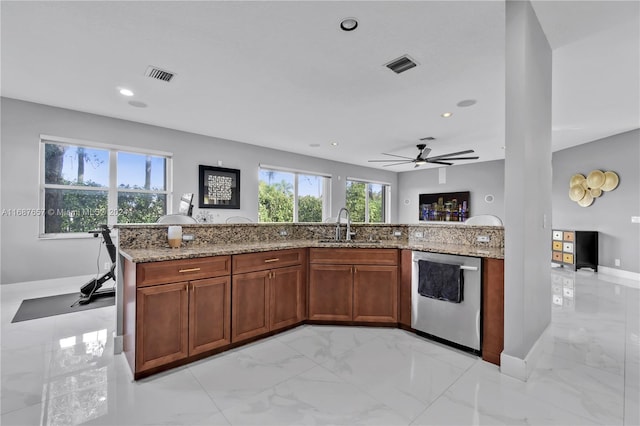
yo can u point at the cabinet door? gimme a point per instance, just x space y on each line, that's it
286 304
209 314
330 292
162 320
250 305
375 293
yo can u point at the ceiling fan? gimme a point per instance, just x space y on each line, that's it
423 157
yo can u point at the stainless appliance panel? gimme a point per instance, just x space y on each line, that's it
455 322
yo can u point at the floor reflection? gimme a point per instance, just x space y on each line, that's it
562 289
77 388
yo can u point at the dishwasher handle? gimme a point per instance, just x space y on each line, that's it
466 268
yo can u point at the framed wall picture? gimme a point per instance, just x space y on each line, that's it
219 188
444 206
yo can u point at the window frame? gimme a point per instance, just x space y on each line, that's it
112 188
386 197
326 189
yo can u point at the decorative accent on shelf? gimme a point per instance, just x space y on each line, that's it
583 190
219 188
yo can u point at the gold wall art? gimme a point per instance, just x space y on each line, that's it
583 190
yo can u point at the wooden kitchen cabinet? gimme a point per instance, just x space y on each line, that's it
169 317
209 316
286 304
404 306
163 333
353 285
492 309
330 292
250 309
375 293
269 294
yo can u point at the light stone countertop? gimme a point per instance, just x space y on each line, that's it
161 254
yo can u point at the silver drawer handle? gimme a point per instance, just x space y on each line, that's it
271 260
189 270
466 268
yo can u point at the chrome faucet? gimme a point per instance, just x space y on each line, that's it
348 234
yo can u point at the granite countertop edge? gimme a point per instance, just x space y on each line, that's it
158 254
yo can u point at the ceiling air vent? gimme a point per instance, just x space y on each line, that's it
401 64
159 74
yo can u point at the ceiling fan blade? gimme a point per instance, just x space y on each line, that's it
397 164
386 161
459 158
399 156
437 157
440 162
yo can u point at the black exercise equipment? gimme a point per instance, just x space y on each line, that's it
89 291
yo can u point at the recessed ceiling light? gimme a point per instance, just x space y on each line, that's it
466 103
334 143
348 24
126 92
446 114
137 104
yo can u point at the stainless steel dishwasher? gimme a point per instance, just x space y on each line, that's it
458 323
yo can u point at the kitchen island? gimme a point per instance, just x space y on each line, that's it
228 285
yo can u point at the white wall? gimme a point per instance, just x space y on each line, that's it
481 179
527 293
25 257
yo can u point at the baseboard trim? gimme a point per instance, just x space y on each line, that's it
619 273
521 368
117 344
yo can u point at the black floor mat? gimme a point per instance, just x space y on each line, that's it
57 305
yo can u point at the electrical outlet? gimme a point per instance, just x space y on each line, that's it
107 265
283 233
397 233
617 262
635 219
483 238
188 237
419 234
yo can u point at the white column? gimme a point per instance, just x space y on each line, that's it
527 293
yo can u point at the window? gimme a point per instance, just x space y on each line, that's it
367 201
292 196
85 185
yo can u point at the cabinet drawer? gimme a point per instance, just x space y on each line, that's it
557 235
354 256
251 262
557 256
170 271
557 245
567 258
567 247
568 236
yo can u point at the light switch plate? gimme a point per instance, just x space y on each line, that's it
419 234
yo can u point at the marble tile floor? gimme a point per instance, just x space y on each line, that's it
62 371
